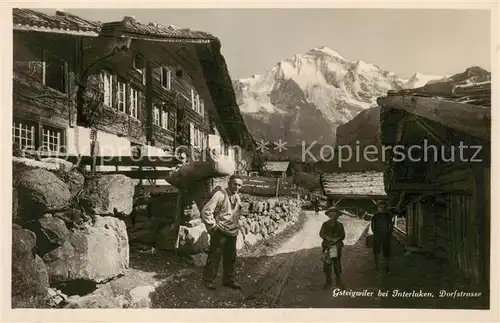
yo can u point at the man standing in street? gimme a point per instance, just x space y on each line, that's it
382 224
221 217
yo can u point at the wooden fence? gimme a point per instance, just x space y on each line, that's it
267 186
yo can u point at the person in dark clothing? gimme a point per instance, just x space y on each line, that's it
316 205
382 224
332 232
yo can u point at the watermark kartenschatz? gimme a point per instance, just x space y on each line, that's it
399 293
422 152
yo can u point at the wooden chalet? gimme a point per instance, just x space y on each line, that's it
354 191
120 87
443 191
276 169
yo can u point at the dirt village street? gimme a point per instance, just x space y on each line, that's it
288 274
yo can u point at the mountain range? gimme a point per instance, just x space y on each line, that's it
306 97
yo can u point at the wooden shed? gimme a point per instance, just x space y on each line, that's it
354 191
276 169
442 184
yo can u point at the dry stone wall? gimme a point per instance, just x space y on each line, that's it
68 228
261 219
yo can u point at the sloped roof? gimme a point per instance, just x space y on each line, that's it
354 184
276 166
214 67
154 31
461 102
61 22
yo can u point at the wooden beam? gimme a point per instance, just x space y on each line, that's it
139 174
149 102
432 187
159 161
159 189
356 196
439 135
337 202
471 119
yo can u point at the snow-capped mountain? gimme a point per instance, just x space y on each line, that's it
365 127
419 79
305 97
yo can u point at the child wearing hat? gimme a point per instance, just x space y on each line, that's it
332 232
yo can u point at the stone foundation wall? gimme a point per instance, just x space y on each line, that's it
68 229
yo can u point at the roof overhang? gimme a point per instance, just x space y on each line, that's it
42 29
471 119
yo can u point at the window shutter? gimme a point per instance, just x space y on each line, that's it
169 76
192 99
191 133
201 143
129 100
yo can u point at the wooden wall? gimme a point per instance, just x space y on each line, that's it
37 102
453 224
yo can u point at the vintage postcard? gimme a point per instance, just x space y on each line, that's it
287 162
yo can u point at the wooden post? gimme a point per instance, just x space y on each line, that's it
149 102
277 186
482 214
177 221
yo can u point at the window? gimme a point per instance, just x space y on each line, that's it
193 99
200 140
171 121
195 136
164 119
138 63
165 77
156 115
134 102
26 135
107 80
197 103
54 72
23 135
121 97
51 140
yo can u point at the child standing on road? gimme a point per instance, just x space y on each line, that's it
333 234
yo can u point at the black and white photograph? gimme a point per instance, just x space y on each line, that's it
250 158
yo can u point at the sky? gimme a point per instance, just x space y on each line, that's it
403 41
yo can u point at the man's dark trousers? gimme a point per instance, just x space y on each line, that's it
382 241
221 245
